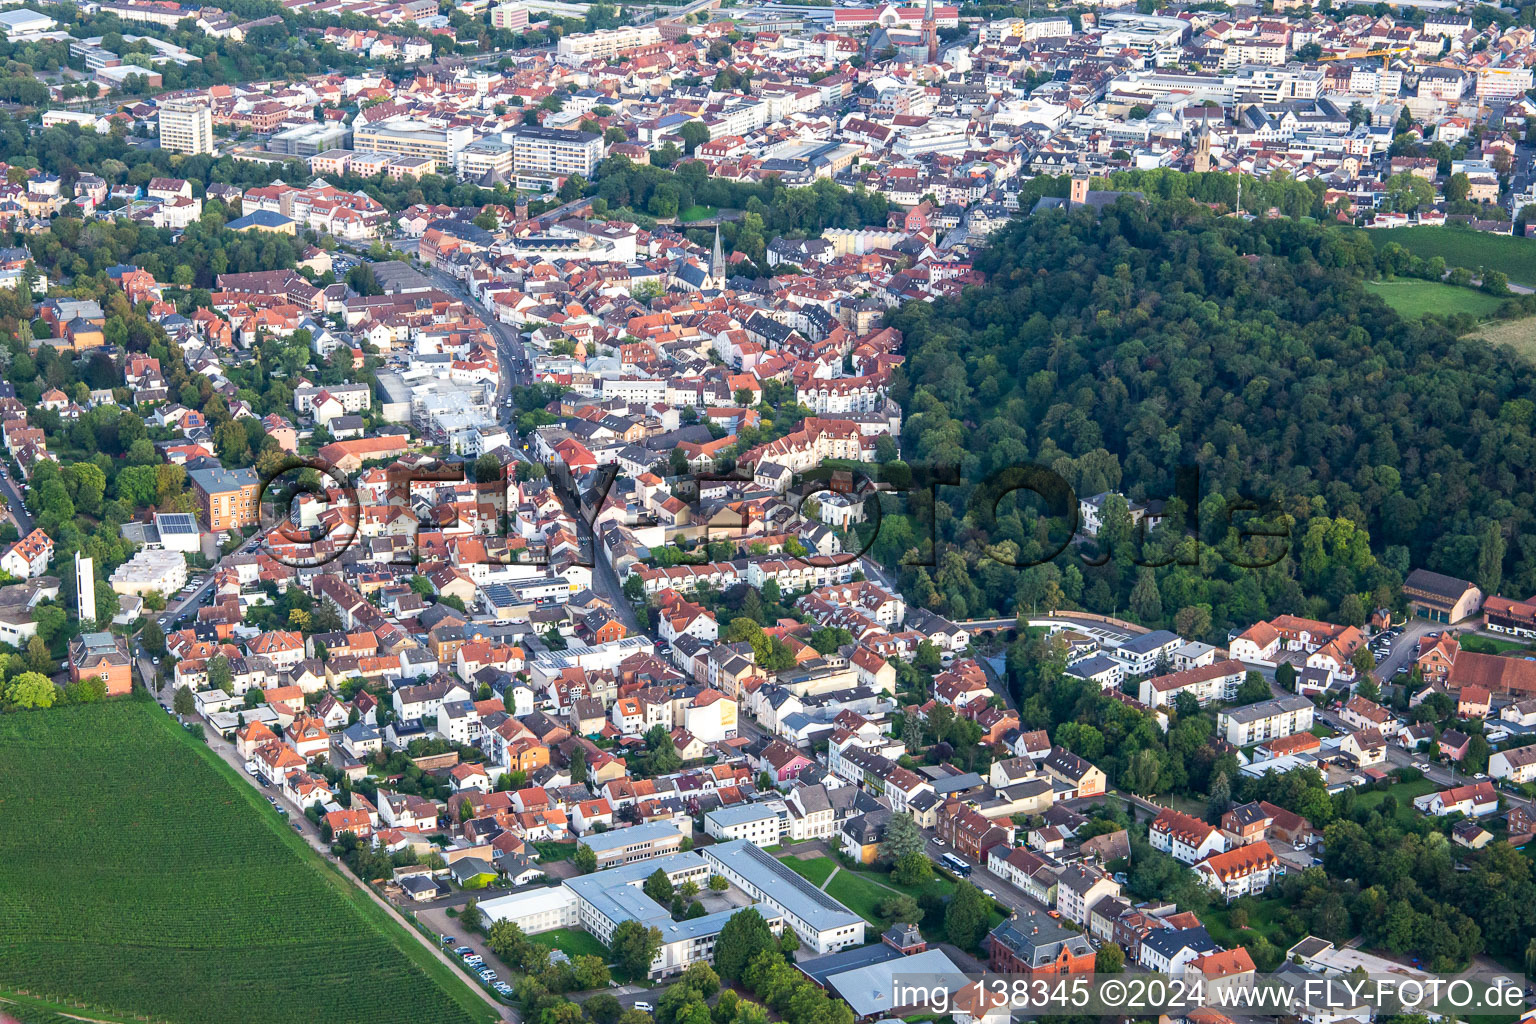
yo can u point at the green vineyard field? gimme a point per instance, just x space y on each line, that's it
139 875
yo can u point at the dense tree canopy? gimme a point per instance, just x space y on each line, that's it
1114 351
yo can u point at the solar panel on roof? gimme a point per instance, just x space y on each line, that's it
176 522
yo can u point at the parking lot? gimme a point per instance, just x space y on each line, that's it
454 938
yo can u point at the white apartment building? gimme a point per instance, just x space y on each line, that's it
186 126
582 47
485 156
563 151
1141 654
1517 765
760 824
1266 720
1206 683
1244 870
1184 837
1502 83
354 398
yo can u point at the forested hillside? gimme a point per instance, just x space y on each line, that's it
1116 350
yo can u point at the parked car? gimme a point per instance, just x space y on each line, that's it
646 1007
461 950
449 940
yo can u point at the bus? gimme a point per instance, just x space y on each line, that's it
957 865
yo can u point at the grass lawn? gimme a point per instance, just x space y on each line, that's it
1186 804
1404 792
696 212
1261 918
1490 645
1412 298
859 894
571 942
550 850
139 875
1464 248
862 891
814 870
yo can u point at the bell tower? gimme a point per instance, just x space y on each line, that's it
931 32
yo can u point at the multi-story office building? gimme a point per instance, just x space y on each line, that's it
485 157
410 137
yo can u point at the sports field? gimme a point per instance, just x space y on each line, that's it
139 875
1462 247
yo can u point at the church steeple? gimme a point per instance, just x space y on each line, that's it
931 30
1203 146
717 261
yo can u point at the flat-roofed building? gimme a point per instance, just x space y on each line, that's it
636 843
226 497
409 137
178 531
307 140
485 159
535 911
186 126
563 151
151 571
821 922
581 47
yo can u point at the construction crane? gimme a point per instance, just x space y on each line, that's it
1385 55
1386 65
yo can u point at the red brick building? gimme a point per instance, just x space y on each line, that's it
1032 943
971 834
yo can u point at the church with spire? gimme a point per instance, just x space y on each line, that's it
693 277
717 268
912 32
